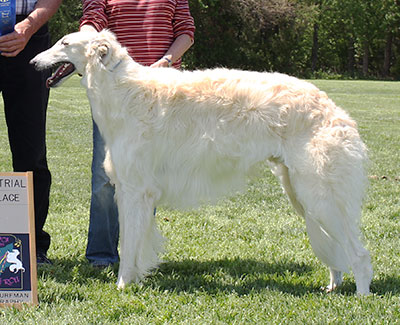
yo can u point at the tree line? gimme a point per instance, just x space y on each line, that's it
306 38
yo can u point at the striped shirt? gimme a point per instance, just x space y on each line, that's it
24 7
147 28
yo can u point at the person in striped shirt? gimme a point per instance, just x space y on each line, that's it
156 33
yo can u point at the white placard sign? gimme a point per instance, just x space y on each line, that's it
18 274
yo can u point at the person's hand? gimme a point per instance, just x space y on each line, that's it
162 63
13 43
88 28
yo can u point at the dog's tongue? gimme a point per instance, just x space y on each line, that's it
61 72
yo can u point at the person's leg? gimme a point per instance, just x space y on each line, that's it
25 103
102 247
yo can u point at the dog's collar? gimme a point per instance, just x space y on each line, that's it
116 66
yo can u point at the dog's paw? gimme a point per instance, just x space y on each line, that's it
335 282
329 288
121 285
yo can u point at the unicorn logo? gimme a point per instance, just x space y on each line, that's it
9 256
16 264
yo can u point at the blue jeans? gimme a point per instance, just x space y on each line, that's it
102 247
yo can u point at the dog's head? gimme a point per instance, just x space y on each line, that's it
75 52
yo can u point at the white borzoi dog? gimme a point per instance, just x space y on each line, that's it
187 138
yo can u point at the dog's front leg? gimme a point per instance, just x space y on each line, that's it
140 239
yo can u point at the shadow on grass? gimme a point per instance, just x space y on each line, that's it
245 276
240 276
388 285
216 276
78 271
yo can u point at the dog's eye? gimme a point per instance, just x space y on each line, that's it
64 42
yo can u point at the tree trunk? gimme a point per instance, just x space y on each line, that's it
365 58
315 48
388 55
350 57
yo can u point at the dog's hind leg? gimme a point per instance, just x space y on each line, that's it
336 280
331 209
140 241
282 173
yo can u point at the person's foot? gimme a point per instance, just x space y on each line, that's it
41 259
101 264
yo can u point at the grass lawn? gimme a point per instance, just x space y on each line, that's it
246 260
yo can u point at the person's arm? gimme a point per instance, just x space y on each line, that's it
93 15
13 43
183 28
176 50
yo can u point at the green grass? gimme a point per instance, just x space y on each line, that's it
247 260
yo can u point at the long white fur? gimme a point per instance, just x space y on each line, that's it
186 138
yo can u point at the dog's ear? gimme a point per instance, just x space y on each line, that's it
100 49
104 51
